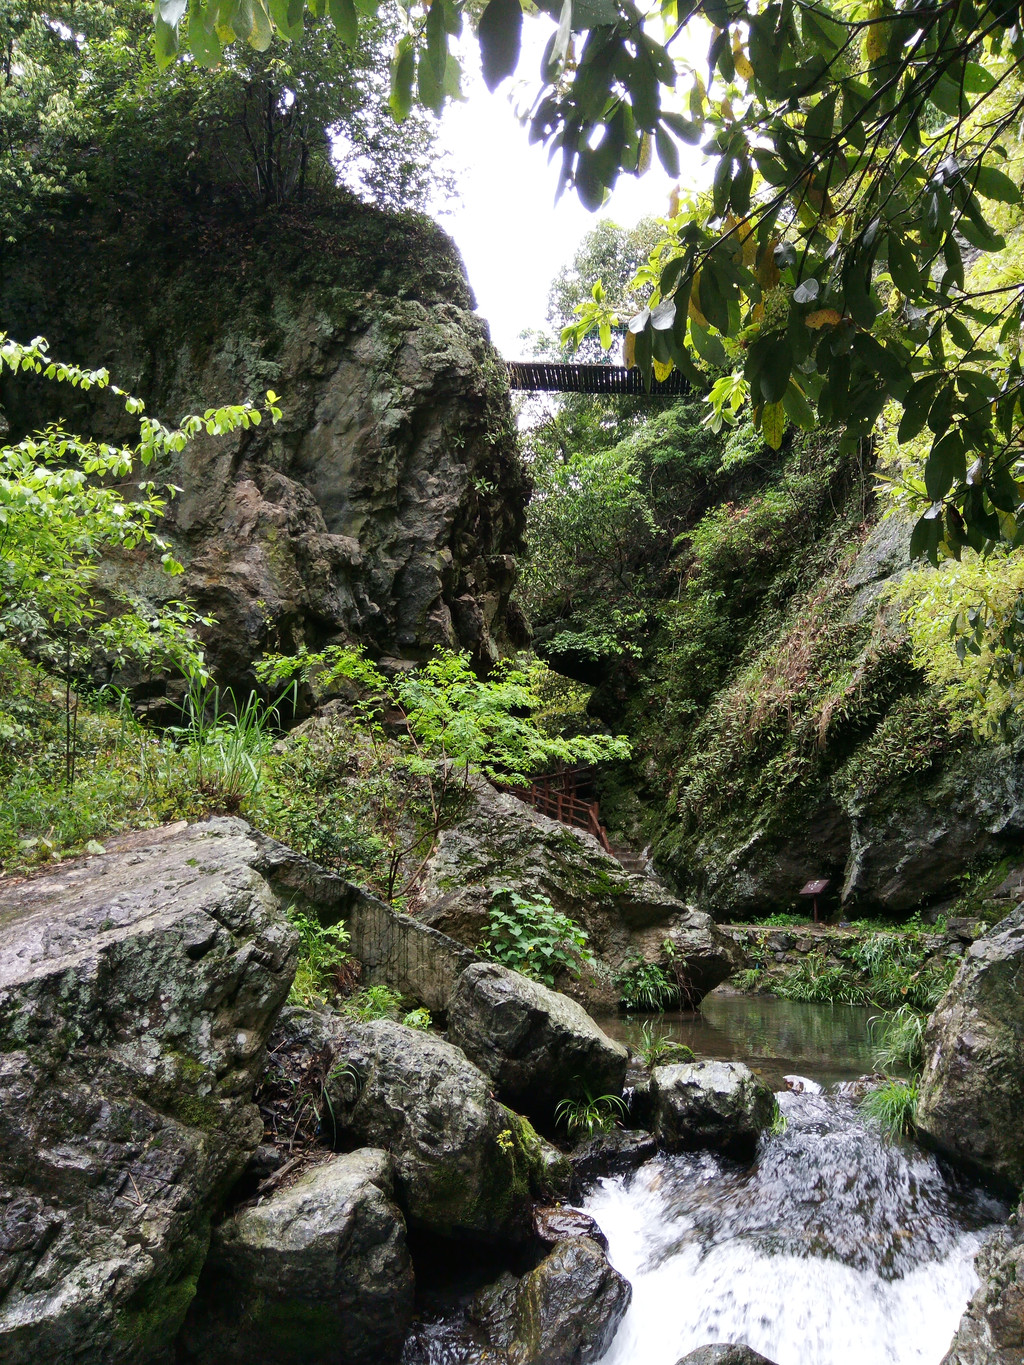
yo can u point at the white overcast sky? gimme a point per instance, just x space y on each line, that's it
513 237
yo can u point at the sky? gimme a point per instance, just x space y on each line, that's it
513 237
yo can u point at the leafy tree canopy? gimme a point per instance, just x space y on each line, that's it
85 112
860 150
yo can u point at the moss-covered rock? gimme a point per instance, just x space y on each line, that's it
386 506
318 1273
137 990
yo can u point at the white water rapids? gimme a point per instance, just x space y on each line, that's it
835 1248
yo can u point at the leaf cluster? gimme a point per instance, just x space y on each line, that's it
532 937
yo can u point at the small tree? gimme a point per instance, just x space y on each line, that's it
66 503
428 731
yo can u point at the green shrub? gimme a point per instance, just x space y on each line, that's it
893 1106
646 985
373 1002
534 938
657 1049
418 1018
325 966
816 980
585 1115
900 1039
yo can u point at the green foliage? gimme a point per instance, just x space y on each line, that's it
815 979
584 1115
779 919
534 938
325 967
413 776
658 1049
418 1019
374 1002
222 745
64 508
893 1106
646 985
900 1039
85 112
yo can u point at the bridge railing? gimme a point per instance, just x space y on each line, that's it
554 795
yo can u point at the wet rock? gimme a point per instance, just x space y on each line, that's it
613 1153
318 1274
137 990
722 1353
501 844
465 1166
536 1044
564 1312
991 1331
557 1222
972 1088
721 1105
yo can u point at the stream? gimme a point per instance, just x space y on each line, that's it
836 1247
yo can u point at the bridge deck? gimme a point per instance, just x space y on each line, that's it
542 376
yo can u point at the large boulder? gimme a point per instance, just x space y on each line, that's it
991 1331
972 1090
723 1353
137 990
387 504
500 844
722 1105
316 1274
564 1312
465 1166
536 1044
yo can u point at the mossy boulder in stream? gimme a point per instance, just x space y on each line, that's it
137 990
972 1089
316 1273
991 1332
537 1044
465 1166
564 1312
721 1105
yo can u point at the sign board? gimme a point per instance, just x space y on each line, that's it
817 888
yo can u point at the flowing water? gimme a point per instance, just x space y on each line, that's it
836 1247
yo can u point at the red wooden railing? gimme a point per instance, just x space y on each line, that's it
555 795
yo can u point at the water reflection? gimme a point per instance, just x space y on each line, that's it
774 1037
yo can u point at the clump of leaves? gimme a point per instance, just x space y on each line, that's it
373 1002
222 746
817 980
646 985
325 966
534 938
893 1106
656 1048
418 1018
900 1039
586 1114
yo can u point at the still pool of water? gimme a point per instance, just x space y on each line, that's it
774 1037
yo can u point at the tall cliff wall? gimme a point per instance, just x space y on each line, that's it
387 505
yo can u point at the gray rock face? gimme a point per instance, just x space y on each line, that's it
501 844
387 504
972 1089
465 1166
722 1353
711 1104
565 1312
137 990
317 1272
537 1045
991 1331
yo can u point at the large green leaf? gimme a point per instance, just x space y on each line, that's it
500 33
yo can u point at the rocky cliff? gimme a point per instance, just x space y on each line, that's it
386 507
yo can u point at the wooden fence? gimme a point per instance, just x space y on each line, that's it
555 795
